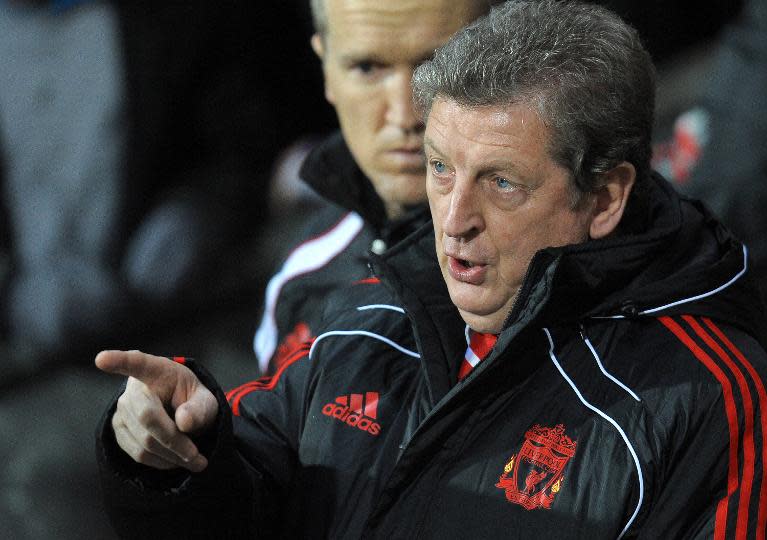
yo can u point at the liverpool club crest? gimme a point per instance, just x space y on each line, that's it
534 475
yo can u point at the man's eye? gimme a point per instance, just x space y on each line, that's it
365 67
503 183
438 167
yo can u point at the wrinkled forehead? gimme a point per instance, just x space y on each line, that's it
485 124
508 139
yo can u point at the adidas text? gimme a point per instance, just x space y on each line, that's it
353 419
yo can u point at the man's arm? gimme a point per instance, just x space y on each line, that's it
710 474
168 461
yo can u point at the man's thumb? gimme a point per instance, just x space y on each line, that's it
198 412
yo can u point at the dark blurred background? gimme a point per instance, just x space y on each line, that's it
148 188
137 144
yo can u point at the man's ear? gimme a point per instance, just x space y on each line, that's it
318 46
611 199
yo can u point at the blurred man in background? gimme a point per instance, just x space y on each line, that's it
371 174
716 151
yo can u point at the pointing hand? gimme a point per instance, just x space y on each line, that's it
143 427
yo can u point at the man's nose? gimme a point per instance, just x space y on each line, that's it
463 216
400 111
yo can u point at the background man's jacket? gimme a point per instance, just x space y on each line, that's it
332 250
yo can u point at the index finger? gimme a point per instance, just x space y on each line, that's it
145 367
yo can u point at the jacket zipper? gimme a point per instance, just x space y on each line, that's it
526 286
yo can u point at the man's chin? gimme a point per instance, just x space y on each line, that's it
486 324
401 189
403 176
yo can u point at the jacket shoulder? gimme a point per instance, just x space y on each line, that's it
702 388
685 372
364 312
691 375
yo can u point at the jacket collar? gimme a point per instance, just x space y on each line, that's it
331 171
672 258
411 270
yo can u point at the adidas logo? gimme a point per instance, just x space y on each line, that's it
356 410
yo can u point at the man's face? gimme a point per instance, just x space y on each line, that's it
496 197
369 53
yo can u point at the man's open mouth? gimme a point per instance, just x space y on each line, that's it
467 271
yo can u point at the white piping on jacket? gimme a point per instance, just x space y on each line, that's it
602 368
307 257
379 337
611 421
381 306
692 298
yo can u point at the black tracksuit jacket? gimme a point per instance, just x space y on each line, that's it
625 398
332 250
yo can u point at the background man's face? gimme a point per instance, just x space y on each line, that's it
496 198
369 53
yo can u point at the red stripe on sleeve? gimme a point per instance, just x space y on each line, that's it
265 383
761 527
179 359
268 382
367 281
720 527
749 457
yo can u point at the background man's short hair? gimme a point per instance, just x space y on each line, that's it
320 20
582 67
318 16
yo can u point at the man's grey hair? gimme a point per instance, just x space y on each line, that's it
582 68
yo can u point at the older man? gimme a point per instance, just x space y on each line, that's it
621 392
372 174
